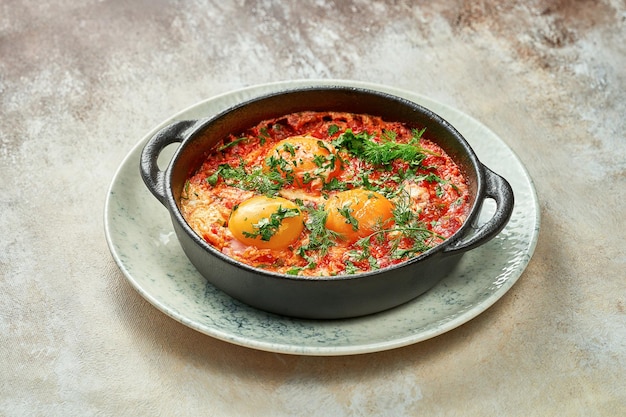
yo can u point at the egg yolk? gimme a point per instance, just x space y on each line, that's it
305 160
267 223
358 213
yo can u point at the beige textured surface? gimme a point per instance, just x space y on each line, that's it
82 82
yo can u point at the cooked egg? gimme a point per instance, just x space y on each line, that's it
267 223
306 160
358 213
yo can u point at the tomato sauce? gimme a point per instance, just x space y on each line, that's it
350 193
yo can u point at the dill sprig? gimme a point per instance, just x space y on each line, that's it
408 225
384 151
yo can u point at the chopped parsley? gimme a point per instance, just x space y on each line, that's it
264 135
320 238
268 226
346 211
332 129
294 270
335 185
267 183
231 143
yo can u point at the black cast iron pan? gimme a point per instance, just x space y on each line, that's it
322 297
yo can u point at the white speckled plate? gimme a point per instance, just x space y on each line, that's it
140 236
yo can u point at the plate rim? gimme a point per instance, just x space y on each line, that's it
264 88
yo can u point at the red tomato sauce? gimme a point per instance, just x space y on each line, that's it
387 193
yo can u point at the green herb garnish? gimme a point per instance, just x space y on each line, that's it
231 143
407 223
346 211
268 226
387 150
294 270
267 183
320 238
263 135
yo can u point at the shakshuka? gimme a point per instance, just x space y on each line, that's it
326 193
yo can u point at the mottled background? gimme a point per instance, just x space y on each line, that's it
82 82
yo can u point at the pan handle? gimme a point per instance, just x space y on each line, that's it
501 192
152 176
